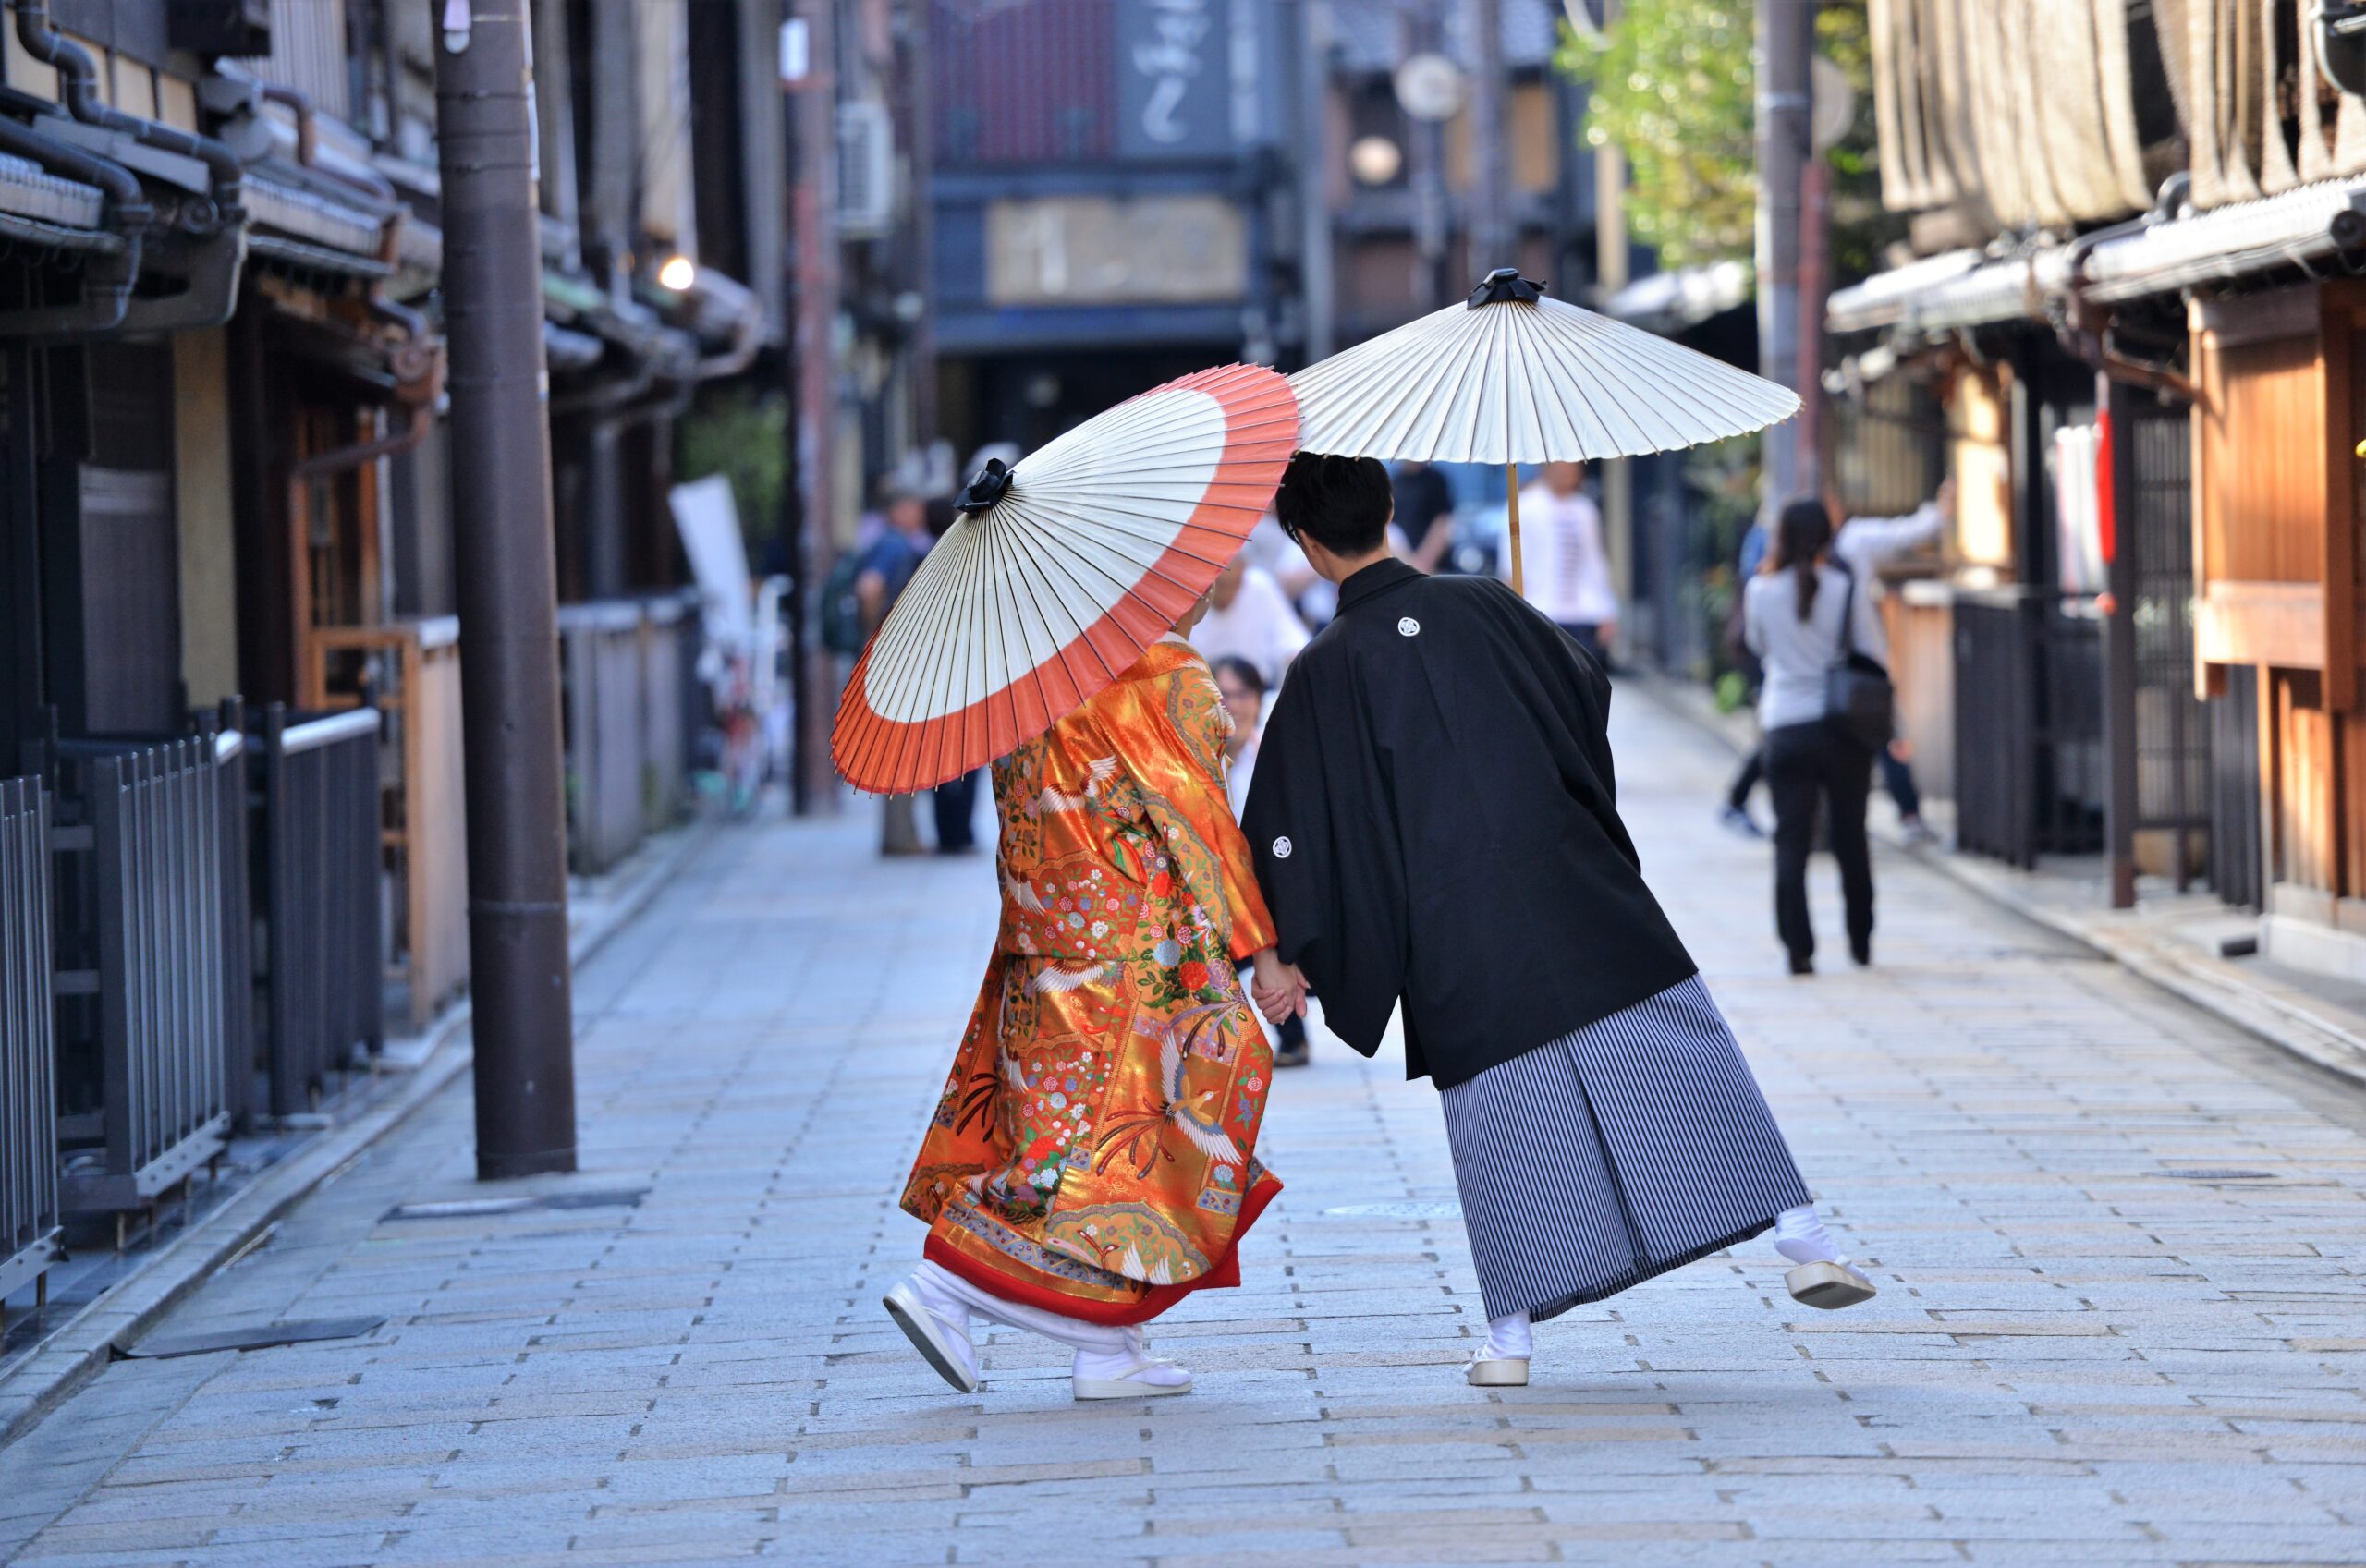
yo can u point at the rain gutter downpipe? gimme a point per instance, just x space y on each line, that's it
308 143
77 79
220 253
107 288
2085 329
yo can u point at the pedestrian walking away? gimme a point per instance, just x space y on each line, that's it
1862 545
1803 615
1457 850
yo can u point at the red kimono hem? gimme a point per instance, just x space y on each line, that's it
1111 1314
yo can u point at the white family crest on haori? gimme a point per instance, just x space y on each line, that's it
1061 570
1512 377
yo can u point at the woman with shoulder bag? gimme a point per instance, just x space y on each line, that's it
1826 712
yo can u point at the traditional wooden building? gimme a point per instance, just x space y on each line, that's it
231 835
2136 306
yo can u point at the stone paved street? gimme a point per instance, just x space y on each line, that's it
2118 1245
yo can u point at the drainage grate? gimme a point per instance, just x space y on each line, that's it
1400 1209
2211 1176
252 1336
465 1208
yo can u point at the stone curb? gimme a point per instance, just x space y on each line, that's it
2216 988
81 1347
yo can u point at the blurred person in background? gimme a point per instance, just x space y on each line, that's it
1244 691
1424 513
1565 570
1249 617
956 800
887 566
1862 544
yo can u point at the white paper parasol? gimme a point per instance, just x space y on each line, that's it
1060 572
1513 377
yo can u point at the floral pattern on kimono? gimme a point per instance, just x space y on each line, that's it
1093 1148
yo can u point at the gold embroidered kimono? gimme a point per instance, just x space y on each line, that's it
1092 1152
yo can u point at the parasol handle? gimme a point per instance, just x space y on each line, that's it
1511 493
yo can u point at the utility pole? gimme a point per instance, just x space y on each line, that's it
524 1025
1785 44
1315 173
814 262
1438 284
1611 273
1494 236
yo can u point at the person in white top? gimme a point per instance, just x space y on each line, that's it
1564 568
1249 617
1809 605
1862 544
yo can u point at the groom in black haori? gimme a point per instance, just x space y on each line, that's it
1435 825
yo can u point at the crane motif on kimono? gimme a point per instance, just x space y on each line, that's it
1135 1134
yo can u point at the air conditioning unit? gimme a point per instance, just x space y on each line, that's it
866 170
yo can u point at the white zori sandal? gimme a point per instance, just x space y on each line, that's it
1125 1369
1502 1362
1825 1277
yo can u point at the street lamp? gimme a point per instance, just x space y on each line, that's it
677 274
1375 159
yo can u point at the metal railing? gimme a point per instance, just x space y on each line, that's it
29 1211
2173 733
602 668
323 970
2235 840
153 968
2029 724
671 694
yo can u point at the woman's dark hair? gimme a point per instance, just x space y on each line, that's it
1242 670
1342 504
1801 533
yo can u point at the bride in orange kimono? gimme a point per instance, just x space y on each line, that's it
1091 1159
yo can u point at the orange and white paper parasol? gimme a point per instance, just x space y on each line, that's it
1060 572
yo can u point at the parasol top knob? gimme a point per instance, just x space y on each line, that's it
1503 287
990 485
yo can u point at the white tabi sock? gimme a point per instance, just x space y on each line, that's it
1074 1332
1799 1236
1130 1362
1508 1339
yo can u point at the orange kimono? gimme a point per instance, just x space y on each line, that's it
1094 1150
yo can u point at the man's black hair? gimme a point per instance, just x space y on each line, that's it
1342 504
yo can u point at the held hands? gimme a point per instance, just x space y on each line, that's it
1278 988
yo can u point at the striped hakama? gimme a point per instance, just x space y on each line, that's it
1629 1147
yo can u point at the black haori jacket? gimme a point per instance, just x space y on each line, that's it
1435 818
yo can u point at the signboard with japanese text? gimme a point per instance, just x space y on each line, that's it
1174 97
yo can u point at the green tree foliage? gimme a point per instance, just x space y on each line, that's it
744 437
1673 84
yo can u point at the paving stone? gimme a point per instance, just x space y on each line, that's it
2074 1357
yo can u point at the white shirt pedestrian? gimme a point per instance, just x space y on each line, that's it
1255 623
1565 570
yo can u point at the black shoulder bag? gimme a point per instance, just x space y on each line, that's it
1858 700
